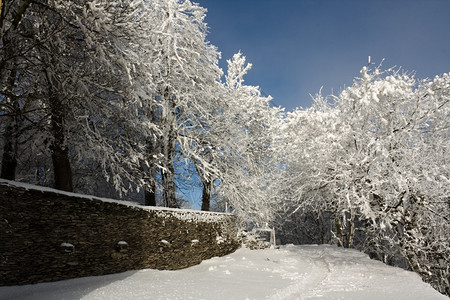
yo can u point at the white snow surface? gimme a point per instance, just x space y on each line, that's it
291 272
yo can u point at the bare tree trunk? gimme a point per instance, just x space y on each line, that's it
207 185
351 230
168 182
153 148
206 195
339 234
168 175
168 147
60 151
150 196
9 158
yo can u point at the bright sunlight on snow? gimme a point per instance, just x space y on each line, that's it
291 272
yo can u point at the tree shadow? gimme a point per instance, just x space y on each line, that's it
69 289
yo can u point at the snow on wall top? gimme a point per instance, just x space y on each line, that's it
182 214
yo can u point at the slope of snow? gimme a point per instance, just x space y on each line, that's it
291 272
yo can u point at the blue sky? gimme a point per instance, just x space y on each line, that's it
298 46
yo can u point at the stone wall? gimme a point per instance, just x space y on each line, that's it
47 235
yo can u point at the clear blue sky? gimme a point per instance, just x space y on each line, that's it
298 46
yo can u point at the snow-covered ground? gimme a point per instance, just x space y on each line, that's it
291 272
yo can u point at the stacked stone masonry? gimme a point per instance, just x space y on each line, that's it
49 236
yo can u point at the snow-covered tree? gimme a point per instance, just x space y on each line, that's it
243 129
19 114
186 77
85 63
375 162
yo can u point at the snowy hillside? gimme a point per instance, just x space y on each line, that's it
292 272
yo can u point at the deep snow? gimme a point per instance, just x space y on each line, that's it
291 272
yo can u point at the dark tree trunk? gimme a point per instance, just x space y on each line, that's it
168 175
339 233
150 196
152 148
61 168
206 195
168 182
207 186
351 230
60 151
9 159
168 146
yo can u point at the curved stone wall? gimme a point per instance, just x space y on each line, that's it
47 235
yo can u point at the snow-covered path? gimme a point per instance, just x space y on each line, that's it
291 272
